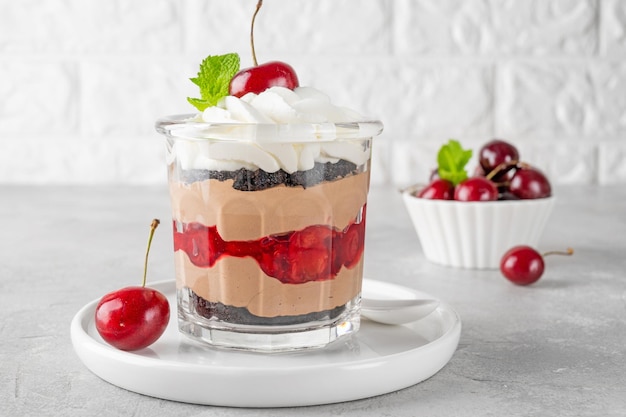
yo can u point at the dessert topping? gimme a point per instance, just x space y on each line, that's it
279 105
261 77
213 78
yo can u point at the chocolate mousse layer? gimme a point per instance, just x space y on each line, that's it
239 282
242 215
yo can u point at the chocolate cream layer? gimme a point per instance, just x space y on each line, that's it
240 282
242 215
251 215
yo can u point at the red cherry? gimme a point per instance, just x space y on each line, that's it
134 317
529 183
260 78
476 189
438 189
523 265
495 153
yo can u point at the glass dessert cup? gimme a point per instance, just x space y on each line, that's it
269 229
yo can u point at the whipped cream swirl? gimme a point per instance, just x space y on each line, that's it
280 105
275 106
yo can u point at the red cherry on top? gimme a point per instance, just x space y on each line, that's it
260 78
438 189
476 189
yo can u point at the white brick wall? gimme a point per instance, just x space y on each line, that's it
82 81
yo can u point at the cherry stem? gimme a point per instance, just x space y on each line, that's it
258 7
568 252
501 167
153 226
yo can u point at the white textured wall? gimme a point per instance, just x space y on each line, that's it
82 81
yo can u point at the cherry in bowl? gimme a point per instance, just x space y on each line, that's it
497 153
438 189
476 189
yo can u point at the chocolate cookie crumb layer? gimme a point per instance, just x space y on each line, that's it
241 315
247 180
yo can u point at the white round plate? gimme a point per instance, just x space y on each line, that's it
377 360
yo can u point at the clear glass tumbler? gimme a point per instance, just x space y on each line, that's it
269 229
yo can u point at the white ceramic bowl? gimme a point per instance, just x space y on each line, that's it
475 234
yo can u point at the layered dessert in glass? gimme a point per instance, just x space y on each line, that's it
269 196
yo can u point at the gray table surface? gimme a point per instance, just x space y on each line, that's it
555 348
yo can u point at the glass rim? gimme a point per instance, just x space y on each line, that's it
185 126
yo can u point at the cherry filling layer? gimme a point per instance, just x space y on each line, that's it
315 253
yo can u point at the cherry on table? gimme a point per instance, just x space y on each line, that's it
261 77
523 265
133 318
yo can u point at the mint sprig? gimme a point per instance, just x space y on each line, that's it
213 79
451 161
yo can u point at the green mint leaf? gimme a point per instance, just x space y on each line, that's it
213 79
451 161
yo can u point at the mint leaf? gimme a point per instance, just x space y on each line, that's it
451 160
213 79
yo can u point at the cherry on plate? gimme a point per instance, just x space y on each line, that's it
133 318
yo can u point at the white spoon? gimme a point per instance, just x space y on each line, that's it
395 311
